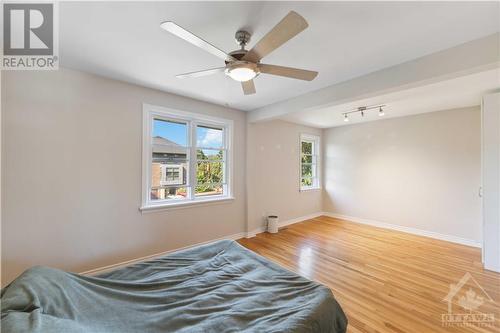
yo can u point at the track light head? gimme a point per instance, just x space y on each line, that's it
380 112
346 118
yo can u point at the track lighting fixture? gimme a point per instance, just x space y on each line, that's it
363 109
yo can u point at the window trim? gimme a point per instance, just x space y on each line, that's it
316 139
193 119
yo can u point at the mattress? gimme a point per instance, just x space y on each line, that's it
219 287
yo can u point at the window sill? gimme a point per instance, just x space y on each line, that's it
184 204
309 189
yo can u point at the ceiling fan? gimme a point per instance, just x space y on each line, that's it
242 65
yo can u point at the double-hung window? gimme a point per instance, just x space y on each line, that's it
309 162
186 158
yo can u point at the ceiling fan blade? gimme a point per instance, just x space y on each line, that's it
285 30
195 40
294 73
248 87
201 73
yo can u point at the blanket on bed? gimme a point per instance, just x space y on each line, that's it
219 287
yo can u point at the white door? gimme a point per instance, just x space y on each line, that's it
491 180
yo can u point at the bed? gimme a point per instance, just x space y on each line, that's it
219 287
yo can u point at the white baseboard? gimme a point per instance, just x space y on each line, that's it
409 230
152 256
282 224
254 232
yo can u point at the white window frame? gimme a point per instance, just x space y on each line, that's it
193 120
316 140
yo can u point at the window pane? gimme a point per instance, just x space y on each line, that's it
169 167
307 182
162 193
210 154
169 133
308 159
208 189
209 137
209 172
307 170
306 147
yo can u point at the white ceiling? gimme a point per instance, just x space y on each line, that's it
123 40
445 95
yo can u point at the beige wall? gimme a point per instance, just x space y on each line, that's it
421 172
71 165
273 173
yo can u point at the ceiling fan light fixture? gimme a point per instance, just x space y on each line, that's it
242 71
241 74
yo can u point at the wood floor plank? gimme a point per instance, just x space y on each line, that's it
386 281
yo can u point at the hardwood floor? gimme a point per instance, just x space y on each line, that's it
386 281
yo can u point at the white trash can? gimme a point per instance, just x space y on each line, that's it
272 224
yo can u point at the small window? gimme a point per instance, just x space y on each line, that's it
186 157
309 162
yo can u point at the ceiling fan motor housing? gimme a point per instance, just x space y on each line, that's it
238 54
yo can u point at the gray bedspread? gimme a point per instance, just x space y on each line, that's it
220 287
